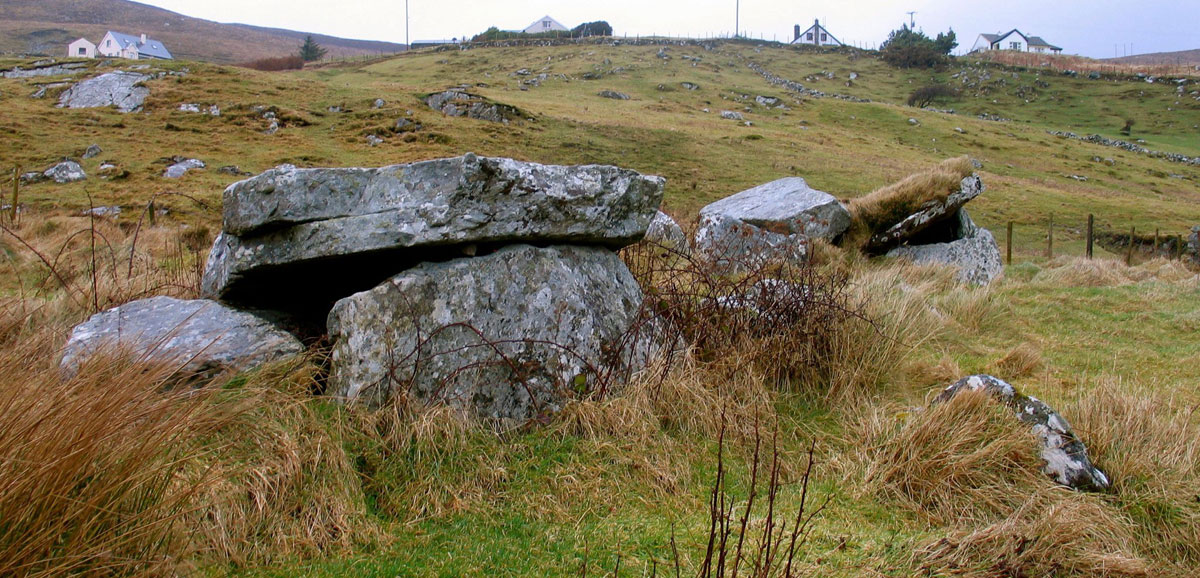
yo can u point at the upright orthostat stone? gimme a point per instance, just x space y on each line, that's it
666 232
204 337
121 89
773 221
974 252
1066 457
933 213
508 335
310 220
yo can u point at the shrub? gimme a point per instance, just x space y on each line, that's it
908 48
926 95
293 62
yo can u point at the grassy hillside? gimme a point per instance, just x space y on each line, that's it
47 26
263 479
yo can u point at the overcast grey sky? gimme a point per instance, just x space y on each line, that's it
1096 28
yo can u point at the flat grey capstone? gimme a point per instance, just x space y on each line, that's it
509 336
121 89
1066 458
203 337
289 216
929 215
977 257
773 221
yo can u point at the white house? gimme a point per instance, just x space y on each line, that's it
816 35
116 44
1014 40
81 48
545 24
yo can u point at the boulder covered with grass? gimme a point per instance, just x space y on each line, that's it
770 222
202 338
121 89
509 336
333 232
1065 456
974 252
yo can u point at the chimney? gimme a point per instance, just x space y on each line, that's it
797 33
143 38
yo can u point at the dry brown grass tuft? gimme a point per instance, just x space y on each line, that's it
1023 360
964 460
887 206
1060 535
1083 272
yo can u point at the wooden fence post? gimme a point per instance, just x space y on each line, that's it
1009 243
1129 253
16 194
1155 242
1090 237
1050 239
1178 246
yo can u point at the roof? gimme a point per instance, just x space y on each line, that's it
820 28
1037 41
545 18
1030 40
152 47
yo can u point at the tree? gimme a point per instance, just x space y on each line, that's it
908 48
597 28
311 51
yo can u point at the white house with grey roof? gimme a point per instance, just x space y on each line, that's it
118 45
545 24
1014 40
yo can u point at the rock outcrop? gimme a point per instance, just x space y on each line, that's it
455 102
509 336
1066 458
770 222
181 167
975 253
202 337
65 172
121 89
317 227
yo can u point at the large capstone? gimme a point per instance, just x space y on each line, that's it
202 337
121 89
322 234
1066 458
937 221
975 253
509 336
770 222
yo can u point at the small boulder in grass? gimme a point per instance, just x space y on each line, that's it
1066 458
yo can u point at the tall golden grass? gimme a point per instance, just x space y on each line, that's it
886 206
1064 62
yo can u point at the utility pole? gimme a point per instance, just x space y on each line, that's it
407 43
911 22
737 18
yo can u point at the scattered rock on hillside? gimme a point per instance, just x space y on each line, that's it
666 232
1065 455
181 167
461 103
732 115
407 125
379 103
92 151
773 221
110 211
234 170
121 89
614 95
937 221
689 85
320 228
49 70
1193 245
476 333
203 337
65 172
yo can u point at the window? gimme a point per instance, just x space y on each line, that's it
824 37
108 43
82 51
810 37
1014 45
545 24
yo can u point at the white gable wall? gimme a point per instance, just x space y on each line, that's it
81 48
981 44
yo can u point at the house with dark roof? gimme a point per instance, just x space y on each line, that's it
118 45
1014 40
816 35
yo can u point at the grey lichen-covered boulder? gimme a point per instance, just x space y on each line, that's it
976 255
457 102
121 89
912 228
1066 458
1193 245
65 172
773 221
509 336
322 226
180 168
666 232
613 95
203 337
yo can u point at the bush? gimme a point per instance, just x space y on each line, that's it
926 95
908 48
597 28
293 62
